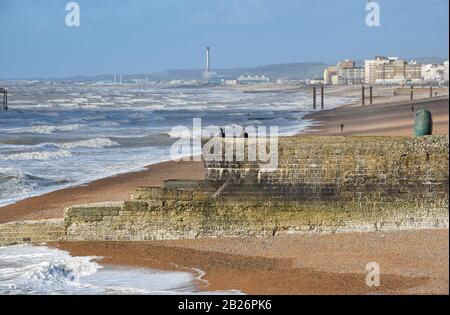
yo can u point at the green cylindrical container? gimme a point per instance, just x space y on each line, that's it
423 125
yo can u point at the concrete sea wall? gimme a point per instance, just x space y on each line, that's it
321 185
32 232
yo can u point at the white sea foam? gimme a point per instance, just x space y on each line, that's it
45 129
91 143
43 155
180 133
26 269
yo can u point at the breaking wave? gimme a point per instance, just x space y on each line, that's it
46 130
91 143
36 155
27 269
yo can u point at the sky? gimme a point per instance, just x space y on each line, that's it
145 36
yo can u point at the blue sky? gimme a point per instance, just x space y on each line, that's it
142 36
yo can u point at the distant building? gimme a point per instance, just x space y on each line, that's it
370 67
351 76
344 73
432 73
257 79
346 64
208 74
393 71
413 72
335 80
329 73
446 72
230 82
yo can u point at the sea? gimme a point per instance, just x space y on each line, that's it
58 134
40 270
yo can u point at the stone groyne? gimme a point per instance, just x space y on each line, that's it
32 232
321 185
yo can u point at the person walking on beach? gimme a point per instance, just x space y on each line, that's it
222 133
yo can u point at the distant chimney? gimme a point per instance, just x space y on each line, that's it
208 60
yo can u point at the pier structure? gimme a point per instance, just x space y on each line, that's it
322 97
363 95
3 99
322 104
314 97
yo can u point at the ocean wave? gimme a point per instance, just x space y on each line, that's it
28 269
90 143
13 181
180 133
45 129
44 155
109 124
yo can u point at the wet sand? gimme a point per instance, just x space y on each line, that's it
411 262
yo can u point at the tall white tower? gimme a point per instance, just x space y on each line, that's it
208 60
207 74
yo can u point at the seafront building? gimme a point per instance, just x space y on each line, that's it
446 73
387 70
413 72
330 76
393 71
433 73
381 70
350 76
344 73
371 67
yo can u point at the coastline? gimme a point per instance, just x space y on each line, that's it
279 265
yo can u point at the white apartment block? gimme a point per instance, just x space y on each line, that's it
350 76
371 67
329 73
446 72
432 73
344 73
